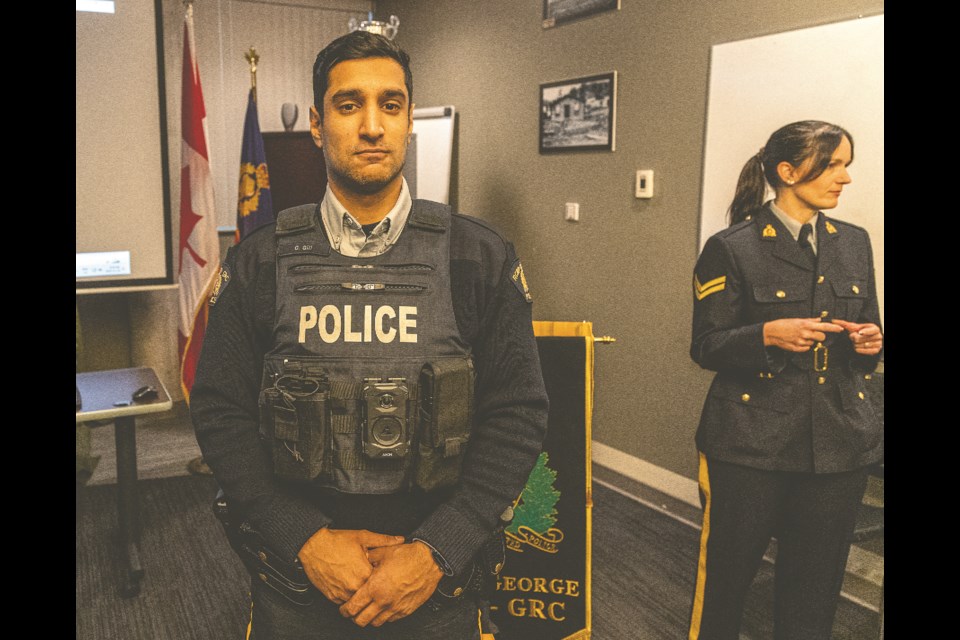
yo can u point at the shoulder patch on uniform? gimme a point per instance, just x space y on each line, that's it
701 291
520 280
223 279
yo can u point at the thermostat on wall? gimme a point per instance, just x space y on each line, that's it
644 183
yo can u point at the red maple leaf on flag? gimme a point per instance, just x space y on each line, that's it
188 219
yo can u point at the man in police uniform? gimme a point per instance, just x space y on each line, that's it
369 395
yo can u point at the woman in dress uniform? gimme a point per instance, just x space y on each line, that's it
786 313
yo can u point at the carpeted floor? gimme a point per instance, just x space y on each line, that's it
643 574
196 589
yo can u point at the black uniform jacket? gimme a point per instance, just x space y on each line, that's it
768 408
493 316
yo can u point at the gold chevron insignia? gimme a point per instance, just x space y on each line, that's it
701 291
830 227
769 231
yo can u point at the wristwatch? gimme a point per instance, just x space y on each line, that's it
436 557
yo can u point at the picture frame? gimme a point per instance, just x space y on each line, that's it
579 114
557 12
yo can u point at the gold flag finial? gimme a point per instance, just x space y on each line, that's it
253 58
189 6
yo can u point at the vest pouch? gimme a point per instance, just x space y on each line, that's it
294 417
446 418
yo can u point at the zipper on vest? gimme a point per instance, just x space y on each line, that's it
370 268
359 287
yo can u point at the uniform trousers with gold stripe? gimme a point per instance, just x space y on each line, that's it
812 516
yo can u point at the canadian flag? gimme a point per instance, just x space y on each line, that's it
199 246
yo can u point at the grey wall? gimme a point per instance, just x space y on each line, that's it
627 265
140 329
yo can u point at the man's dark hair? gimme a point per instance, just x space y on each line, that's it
357 45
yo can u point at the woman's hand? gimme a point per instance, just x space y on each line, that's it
797 334
866 338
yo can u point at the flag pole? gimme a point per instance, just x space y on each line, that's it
255 202
252 59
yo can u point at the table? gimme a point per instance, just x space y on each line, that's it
108 396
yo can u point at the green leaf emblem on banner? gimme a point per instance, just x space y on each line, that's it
536 512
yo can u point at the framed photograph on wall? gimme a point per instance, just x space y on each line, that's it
579 114
557 12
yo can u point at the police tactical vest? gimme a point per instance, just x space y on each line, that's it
369 386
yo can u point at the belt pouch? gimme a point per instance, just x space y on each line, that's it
286 578
446 417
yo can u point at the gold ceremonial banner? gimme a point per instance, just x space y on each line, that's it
544 589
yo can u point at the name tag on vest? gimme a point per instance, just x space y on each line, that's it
365 323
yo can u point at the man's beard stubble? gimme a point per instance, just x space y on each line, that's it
362 184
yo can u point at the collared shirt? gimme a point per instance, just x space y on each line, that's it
794 226
346 234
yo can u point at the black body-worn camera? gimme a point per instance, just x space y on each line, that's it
386 432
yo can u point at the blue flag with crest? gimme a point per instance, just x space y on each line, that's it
254 203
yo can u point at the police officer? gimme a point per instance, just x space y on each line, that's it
369 395
786 313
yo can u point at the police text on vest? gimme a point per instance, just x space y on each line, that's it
356 324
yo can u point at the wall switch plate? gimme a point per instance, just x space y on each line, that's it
644 183
572 212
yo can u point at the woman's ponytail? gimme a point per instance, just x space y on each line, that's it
751 188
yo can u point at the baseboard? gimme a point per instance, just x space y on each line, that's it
663 480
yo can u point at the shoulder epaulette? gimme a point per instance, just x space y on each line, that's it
734 228
834 222
480 223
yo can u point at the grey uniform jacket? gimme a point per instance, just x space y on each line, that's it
768 408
